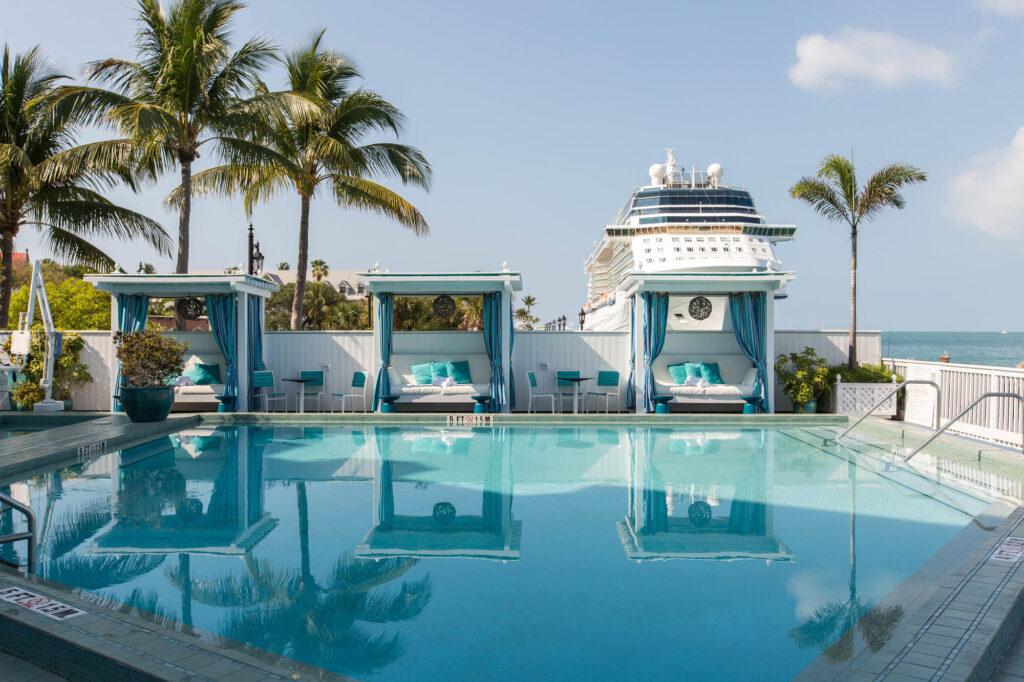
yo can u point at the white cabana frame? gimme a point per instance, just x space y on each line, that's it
243 287
505 282
692 284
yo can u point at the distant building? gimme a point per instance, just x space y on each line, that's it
345 282
20 258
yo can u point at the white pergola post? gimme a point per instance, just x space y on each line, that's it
371 376
242 350
640 364
506 344
769 351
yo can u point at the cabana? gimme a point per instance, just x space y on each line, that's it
495 361
234 304
748 371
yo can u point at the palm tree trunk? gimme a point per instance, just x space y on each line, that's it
300 266
184 215
6 275
851 361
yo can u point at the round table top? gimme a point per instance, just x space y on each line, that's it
574 379
300 380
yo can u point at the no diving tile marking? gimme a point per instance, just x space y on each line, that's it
1010 551
50 608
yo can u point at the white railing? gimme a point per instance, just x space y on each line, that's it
998 420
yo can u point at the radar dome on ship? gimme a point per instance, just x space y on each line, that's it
657 173
715 174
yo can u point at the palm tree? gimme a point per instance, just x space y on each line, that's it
303 150
283 265
319 270
835 195
186 89
48 183
528 303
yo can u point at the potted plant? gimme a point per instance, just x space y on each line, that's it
866 385
804 377
150 361
69 371
25 394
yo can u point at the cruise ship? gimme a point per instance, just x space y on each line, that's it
683 221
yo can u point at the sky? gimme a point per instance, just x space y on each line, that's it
540 117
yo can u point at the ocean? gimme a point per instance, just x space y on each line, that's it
971 348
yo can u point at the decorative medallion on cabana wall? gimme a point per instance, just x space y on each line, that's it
698 312
700 308
444 306
190 308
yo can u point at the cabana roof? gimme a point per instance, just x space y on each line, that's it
181 286
432 283
706 282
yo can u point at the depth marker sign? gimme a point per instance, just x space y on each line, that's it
38 603
1010 551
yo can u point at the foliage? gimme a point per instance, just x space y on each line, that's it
803 376
319 270
74 303
27 393
416 313
524 316
52 185
283 265
324 308
314 141
149 358
68 370
862 374
834 194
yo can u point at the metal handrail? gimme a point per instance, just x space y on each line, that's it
938 406
30 534
992 394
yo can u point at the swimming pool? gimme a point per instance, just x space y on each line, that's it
504 553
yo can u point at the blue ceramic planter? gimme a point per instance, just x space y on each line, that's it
149 404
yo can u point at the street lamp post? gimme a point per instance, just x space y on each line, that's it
255 257
583 316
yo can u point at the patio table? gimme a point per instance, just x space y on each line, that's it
576 381
300 396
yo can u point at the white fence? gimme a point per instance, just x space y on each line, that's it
544 352
996 419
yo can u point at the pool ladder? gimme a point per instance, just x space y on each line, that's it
30 534
991 394
938 406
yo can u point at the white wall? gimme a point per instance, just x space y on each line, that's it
286 353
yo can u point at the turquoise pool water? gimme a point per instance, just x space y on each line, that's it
505 554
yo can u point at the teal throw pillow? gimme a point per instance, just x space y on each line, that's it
459 371
203 375
678 373
692 369
438 370
423 374
709 370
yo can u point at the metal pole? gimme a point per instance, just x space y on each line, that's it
962 413
938 401
251 270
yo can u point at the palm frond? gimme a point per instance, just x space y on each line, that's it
365 195
883 188
822 198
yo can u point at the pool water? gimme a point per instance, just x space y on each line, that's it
506 553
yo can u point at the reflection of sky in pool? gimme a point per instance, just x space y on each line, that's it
517 553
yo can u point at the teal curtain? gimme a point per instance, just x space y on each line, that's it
631 381
255 346
748 323
511 347
385 322
492 341
222 311
655 323
386 492
655 502
132 311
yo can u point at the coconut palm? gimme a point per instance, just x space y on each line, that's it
319 271
528 303
834 194
303 151
283 265
186 89
52 185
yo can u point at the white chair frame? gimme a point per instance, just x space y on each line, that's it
531 379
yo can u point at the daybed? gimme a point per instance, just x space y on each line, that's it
737 371
403 383
199 398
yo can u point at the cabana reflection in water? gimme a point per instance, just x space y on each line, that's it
408 552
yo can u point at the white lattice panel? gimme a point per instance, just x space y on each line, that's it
859 398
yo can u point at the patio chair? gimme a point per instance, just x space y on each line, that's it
607 388
264 381
532 376
314 388
358 392
566 389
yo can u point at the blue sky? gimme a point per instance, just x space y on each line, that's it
539 118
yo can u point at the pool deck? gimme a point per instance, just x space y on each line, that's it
962 609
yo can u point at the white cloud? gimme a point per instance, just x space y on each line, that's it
1008 8
878 58
989 195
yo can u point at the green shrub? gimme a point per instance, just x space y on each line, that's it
803 376
27 393
148 358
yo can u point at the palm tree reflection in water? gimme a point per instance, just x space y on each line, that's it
832 626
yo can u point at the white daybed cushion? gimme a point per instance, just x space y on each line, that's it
208 389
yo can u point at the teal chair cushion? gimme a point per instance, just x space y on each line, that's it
459 371
678 373
424 374
709 371
203 375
